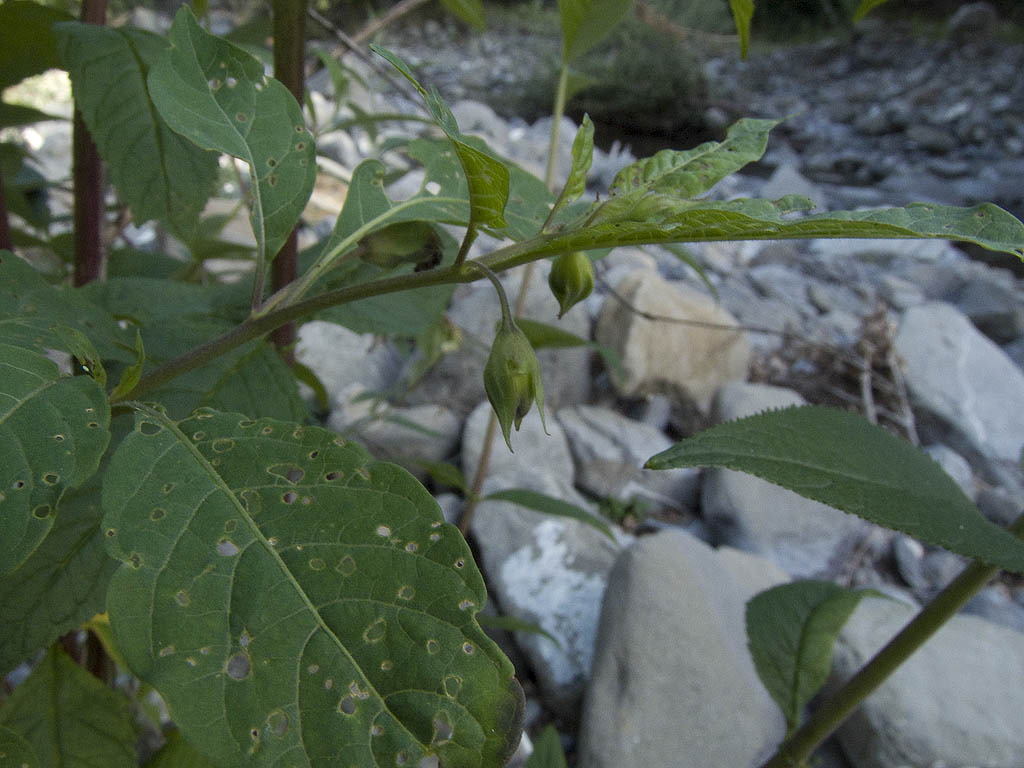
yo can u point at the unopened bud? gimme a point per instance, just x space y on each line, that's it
571 279
512 379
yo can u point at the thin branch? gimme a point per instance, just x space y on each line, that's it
397 11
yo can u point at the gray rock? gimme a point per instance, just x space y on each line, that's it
972 21
673 683
957 700
992 302
963 380
931 138
689 362
340 357
995 605
1000 505
548 570
909 556
787 180
766 320
803 537
610 451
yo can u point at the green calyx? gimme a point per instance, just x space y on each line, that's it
512 378
571 279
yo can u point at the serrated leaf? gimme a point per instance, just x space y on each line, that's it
582 156
15 751
547 750
53 431
551 506
742 13
30 308
688 173
287 595
470 11
217 96
70 718
656 218
27 44
865 7
585 23
178 753
841 459
61 585
791 630
157 172
487 177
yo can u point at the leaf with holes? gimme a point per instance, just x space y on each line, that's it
289 596
61 585
791 629
841 459
70 718
216 95
158 173
53 431
585 23
488 178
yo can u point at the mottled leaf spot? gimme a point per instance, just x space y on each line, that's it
197 436
460 563
387 665
465 605
313 669
429 761
231 82
298 432
436 524
468 649
307 500
51 478
147 428
168 487
364 473
383 531
317 564
92 424
300 146
278 723
167 650
181 598
411 547
135 558
205 650
227 548
452 685
376 631
267 431
358 692
245 638
272 541
251 501
272 180
328 684
271 162
213 84
2 497
339 441
347 705
241 117
376 730
230 525
191 661
41 512
238 666
346 566
111 533
290 498
433 647
157 514
401 758
332 476
443 728
289 472
406 592
314 454
222 445
258 87
18 485
299 129
435 537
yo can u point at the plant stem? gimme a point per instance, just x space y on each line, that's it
289 68
88 180
798 747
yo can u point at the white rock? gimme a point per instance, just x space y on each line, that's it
340 357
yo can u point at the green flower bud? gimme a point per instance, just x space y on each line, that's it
512 378
571 279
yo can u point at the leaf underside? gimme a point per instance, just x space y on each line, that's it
841 459
289 596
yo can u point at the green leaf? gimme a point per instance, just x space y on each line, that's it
216 95
61 585
30 309
585 23
488 178
131 375
446 473
470 11
289 596
865 7
582 156
178 753
547 750
515 624
27 44
657 218
53 431
742 13
157 172
841 459
791 630
551 506
78 345
70 718
688 173
16 752
13 115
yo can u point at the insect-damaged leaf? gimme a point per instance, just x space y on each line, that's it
216 95
288 595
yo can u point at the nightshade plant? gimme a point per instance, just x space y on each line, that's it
292 600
